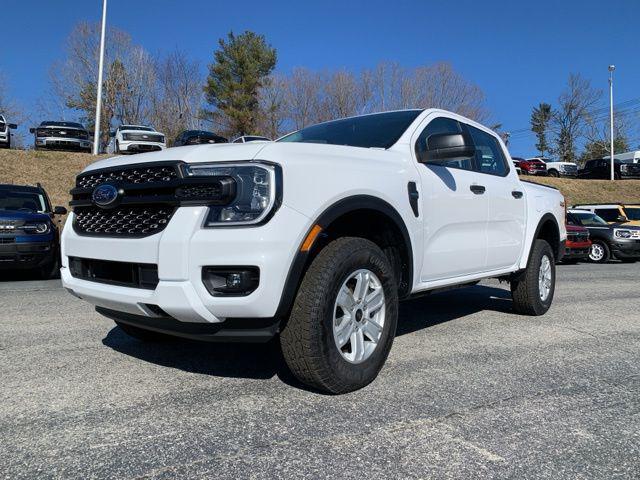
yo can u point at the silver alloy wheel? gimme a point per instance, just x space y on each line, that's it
544 278
596 253
359 315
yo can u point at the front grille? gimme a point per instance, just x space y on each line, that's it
124 220
126 274
58 132
136 175
578 237
570 168
140 137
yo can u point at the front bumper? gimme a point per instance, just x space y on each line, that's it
62 142
138 147
22 254
574 250
626 248
180 251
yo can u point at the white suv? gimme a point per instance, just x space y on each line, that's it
5 132
315 237
136 139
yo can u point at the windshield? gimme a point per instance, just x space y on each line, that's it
22 201
632 213
133 127
380 130
588 219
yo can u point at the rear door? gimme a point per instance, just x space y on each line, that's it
505 196
455 210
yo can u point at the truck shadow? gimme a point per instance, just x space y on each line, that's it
264 361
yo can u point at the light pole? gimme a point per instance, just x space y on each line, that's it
96 133
613 162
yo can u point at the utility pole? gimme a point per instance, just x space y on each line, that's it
96 134
613 161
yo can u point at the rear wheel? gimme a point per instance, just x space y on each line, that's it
599 252
344 318
553 173
533 291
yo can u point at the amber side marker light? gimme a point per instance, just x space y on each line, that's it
311 237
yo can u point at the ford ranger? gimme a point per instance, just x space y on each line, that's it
314 238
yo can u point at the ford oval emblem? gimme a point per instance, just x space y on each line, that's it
104 195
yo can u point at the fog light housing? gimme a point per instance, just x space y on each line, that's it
230 281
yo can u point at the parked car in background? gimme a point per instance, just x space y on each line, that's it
69 136
5 132
135 139
198 137
607 241
578 244
314 237
28 232
533 167
627 214
559 169
516 164
251 138
601 169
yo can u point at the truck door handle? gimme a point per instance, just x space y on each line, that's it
516 194
477 189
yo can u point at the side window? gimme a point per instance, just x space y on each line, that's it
436 126
608 214
489 156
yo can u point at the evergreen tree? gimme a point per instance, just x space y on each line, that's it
540 118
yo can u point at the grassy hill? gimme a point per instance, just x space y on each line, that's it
56 171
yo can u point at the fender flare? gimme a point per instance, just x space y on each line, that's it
560 246
341 207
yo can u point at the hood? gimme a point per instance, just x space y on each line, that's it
142 132
563 163
214 152
576 228
23 216
62 127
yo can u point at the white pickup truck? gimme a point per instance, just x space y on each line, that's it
315 237
136 139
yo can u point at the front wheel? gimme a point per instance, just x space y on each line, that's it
599 252
533 291
553 173
344 318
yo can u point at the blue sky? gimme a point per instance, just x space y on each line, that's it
519 53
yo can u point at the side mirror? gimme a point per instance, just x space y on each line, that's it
32 130
112 134
442 147
13 126
59 211
622 219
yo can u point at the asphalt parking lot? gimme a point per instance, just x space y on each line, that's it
470 390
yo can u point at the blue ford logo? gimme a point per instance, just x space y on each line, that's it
104 195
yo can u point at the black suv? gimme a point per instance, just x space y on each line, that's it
601 169
197 137
28 233
607 240
61 136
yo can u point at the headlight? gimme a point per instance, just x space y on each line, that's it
36 228
620 233
125 136
255 192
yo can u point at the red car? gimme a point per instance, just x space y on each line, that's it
532 167
578 244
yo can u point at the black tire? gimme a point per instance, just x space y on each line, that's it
51 270
525 290
553 173
144 335
307 338
606 252
117 148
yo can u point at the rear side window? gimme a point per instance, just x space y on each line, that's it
489 156
608 214
437 126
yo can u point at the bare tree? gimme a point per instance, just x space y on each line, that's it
271 97
303 97
570 119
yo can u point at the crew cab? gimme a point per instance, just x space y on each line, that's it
29 237
135 139
607 241
314 237
5 132
601 169
614 213
61 135
559 169
533 166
